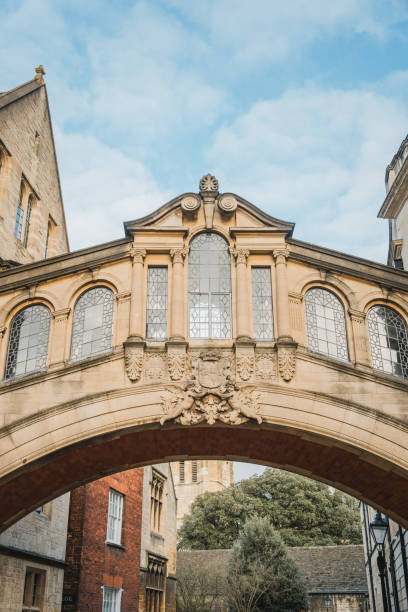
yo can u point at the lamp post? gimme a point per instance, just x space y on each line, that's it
378 528
327 601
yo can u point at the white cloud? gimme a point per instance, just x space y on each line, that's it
318 158
102 187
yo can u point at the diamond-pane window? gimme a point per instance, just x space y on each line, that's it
92 324
209 287
28 342
326 324
388 341
262 303
156 316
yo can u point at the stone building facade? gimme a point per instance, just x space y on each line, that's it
334 575
32 226
193 478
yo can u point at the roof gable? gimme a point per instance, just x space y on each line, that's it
209 207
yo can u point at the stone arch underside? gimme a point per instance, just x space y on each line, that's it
357 450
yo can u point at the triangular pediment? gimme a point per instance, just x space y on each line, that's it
209 208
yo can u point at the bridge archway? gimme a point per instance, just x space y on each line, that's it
356 450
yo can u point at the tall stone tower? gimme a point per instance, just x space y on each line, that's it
193 478
32 220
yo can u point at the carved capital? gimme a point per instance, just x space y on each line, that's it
357 316
287 360
61 315
240 255
178 255
281 255
137 254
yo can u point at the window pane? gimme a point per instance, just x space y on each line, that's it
388 341
209 287
262 303
115 510
326 324
156 316
28 341
92 323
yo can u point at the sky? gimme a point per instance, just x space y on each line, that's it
296 106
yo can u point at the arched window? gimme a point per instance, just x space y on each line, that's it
28 219
92 323
28 342
209 287
326 324
18 227
388 341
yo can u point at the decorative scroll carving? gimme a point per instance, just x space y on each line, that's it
239 254
177 365
245 366
137 254
265 366
287 362
133 360
155 368
227 204
281 255
211 395
208 183
178 254
190 204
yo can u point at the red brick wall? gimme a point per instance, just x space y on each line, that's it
93 563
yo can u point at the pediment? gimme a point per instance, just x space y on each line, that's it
208 207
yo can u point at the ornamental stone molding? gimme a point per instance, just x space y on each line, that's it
190 204
266 366
241 255
155 366
134 355
287 360
177 364
137 254
211 395
178 255
245 366
280 255
227 204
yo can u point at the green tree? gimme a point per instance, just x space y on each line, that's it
261 574
305 512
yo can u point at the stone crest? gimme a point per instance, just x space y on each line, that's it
155 368
211 395
266 366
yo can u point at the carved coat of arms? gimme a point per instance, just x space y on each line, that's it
211 395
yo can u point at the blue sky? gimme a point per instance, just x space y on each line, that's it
297 106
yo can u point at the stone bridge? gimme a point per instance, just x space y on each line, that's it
207 332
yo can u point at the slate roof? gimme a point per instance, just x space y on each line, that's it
326 569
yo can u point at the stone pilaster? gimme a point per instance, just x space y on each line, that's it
242 327
58 337
136 328
361 339
177 302
282 301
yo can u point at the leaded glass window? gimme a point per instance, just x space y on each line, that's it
326 324
209 287
18 227
92 324
262 303
28 220
156 319
388 341
28 341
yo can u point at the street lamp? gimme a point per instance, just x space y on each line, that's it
378 528
327 601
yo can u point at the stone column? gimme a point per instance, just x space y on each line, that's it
361 339
282 298
58 336
136 329
177 300
242 327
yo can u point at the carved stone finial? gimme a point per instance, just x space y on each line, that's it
208 185
39 73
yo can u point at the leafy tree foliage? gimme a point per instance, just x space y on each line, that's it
303 511
262 577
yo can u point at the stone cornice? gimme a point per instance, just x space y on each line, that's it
63 265
335 261
397 195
